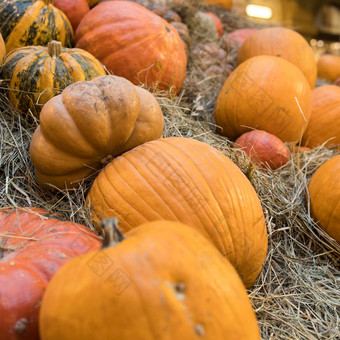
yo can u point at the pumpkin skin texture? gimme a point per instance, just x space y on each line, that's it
324 123
159 294
89 124
134 43
284 43
37 73
36 22
329 67
42 244
265 149
324 193
187 181
74 10
2 49
256 96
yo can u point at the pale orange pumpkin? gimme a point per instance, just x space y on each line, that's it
188 181
324 194
163 281
284 43
329 67
324 124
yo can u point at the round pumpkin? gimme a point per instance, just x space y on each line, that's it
34 245
329 67
134 43
74 10
87 125
264 93
324 124
2 49
284 43
324 194
265 149
187 181
33 22
146 286
35 74
223 3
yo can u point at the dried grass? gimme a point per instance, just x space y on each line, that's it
297 293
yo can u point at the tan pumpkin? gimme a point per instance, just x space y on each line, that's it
329 67
324 124
2 49
284 43
88 124
188 181
265 93
163 281
35 74
324 194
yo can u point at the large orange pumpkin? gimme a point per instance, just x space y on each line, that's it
324 193
134 43
265 93
87 125
329 67
163 281
284 43
34 245
324 124
188 181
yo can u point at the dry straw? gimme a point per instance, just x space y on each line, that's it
297 293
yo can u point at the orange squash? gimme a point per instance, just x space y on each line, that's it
324 193
223 3
329 67
188 181
284 43
2 49
134 43
163 281
324 124
265 93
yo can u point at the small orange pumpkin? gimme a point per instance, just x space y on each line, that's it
329 67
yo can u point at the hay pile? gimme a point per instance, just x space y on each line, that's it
297 293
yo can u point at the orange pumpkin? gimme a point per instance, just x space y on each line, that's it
87 125
284 43
329 67
163 281
264 149
188 181
324 124
265 93
2 49
134 43
324 193
223 3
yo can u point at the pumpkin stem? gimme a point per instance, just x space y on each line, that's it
54 48
112 234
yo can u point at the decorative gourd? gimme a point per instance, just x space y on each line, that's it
33 22
265 149
74 10
187 181
324 124
217 21
265 93
239 36
329 67
324 193
134 43
87 125
163 281
284 43
35 74
2 49
34 245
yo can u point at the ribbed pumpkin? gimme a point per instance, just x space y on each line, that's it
265 93
34 245
35 74
2 49
188 181
265 149
324 193
163 281
87 125
324 124
284 43
33 22
134 43
329 67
